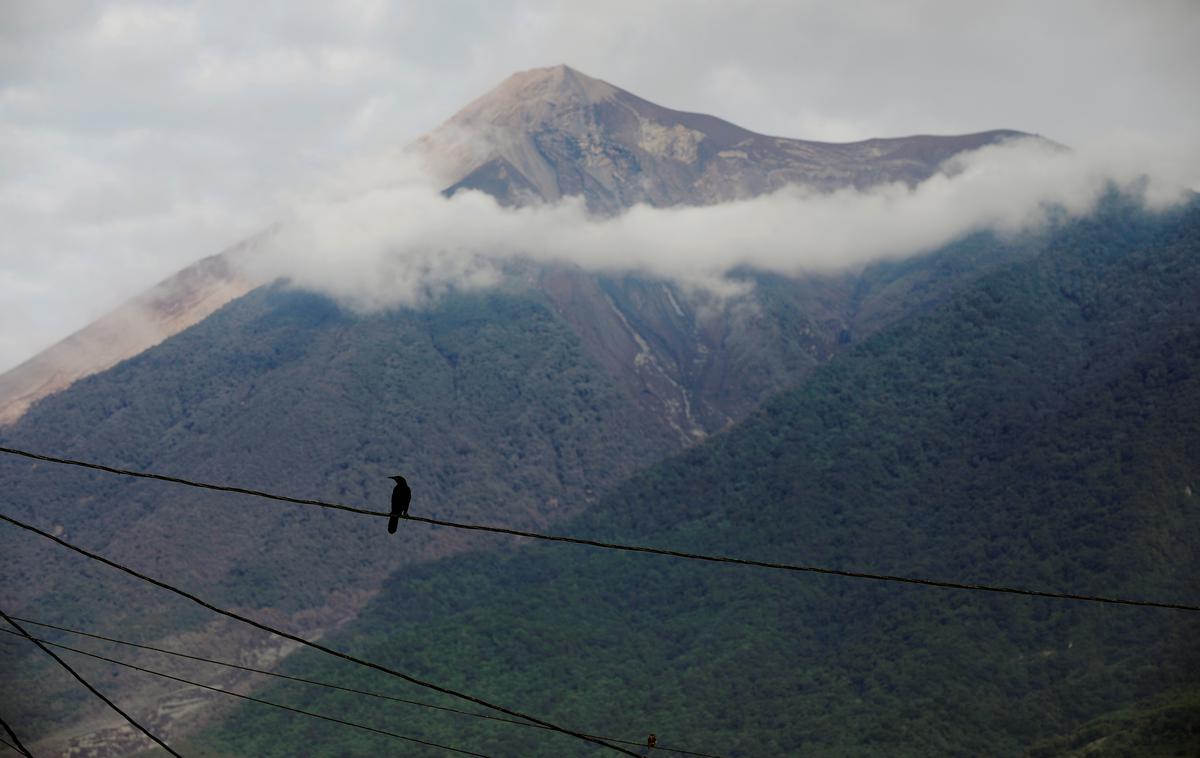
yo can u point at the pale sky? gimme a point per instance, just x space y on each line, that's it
138 137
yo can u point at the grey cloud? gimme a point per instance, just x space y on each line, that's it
130 132
401 242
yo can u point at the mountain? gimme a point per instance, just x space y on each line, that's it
1040 428
550 133
526 405
173 305
538 137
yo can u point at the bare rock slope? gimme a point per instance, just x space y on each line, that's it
171 306
553 132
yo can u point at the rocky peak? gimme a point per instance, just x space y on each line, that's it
531 98
553 132
539 136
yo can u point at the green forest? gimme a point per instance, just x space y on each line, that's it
285 390
1040 428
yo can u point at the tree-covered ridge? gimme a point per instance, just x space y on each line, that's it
521 404
484 402
1041 428
1166 726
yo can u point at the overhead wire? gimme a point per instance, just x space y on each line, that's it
133 722
339 687
617 546
13 735
251 698
315 645
186 482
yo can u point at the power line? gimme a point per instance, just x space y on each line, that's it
13 735
315 645
626 548
85 683
254 699
811 569
328 685
187 482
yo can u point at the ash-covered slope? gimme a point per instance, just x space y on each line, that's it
553 132
180 301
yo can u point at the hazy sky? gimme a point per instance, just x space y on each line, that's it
138 137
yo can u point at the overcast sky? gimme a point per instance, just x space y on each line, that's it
138 137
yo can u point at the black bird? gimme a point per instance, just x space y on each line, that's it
401 497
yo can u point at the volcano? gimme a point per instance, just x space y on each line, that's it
565 393
540 136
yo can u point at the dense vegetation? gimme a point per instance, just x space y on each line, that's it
486 403
1040 428
1166 727
519 406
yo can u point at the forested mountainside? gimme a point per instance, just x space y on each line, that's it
485 403
523 405
519 406
540 136
1041 428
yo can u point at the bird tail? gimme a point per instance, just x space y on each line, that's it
393 522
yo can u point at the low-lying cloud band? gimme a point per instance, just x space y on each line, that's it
402 243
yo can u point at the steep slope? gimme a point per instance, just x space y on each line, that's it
553 132
702 365
538 137
182 300
520 406
1167 726
1041 429
485 403
491 404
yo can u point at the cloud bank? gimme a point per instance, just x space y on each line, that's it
373 244
138 136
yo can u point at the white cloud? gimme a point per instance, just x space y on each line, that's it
384 238
173 116
127 24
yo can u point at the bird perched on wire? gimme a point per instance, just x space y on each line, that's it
401 497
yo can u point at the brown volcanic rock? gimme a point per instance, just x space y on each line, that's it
166 309
554 132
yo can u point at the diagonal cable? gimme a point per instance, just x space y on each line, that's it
13 735
315 645
85 683
338 687
191 683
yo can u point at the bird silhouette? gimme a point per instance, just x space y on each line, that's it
401 497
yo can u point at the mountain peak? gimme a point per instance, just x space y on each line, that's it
552 132
531 97
538 136
560 79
